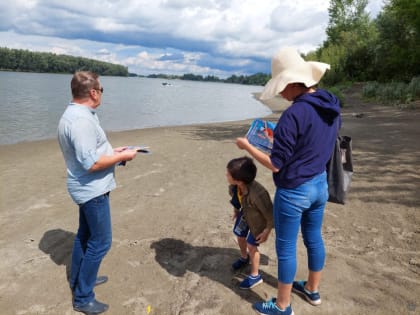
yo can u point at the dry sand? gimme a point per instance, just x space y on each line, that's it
172 240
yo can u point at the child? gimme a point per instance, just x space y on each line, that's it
253 214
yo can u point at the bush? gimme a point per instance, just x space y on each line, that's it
394 93
370 89
414 88
337 92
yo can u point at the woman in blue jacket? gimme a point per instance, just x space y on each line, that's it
302 145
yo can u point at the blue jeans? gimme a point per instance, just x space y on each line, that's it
302 207
92 242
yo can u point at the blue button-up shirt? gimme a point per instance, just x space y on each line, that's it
83 142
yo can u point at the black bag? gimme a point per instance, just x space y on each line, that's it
340 170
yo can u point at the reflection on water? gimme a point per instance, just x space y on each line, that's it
31 104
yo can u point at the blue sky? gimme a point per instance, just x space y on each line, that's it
207 37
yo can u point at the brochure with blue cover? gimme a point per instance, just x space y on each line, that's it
260 134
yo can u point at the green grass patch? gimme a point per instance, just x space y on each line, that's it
393 93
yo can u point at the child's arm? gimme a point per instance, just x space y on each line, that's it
235 213
265 206
263 236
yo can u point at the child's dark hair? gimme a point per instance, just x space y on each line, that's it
242 169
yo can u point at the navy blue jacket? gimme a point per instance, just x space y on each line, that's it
304 138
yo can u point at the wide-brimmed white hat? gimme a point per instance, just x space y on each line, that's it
289 67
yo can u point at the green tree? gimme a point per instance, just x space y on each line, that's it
350 37
346 16
25 60
398 46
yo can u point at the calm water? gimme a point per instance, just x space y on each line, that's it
31 104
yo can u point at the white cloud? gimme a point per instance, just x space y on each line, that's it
217 36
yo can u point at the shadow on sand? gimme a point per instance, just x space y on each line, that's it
59 245
178 257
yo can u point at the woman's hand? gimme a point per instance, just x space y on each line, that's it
260 156
242 143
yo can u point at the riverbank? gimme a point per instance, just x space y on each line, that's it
172 240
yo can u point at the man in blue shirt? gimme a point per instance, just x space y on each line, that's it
90 161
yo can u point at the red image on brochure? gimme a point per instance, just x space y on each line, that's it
260 134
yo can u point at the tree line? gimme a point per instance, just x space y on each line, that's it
255 79
360 49
29 61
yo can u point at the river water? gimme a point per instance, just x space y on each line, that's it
31 104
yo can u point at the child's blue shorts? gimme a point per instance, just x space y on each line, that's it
241 229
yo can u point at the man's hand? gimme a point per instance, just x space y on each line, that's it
128 154
120 149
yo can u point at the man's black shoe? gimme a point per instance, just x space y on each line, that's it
92 308
101 280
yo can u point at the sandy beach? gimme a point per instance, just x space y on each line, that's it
172 240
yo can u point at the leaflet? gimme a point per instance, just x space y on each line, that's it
260 134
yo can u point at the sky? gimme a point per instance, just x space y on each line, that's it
204 37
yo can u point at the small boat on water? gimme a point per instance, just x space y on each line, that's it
166 83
